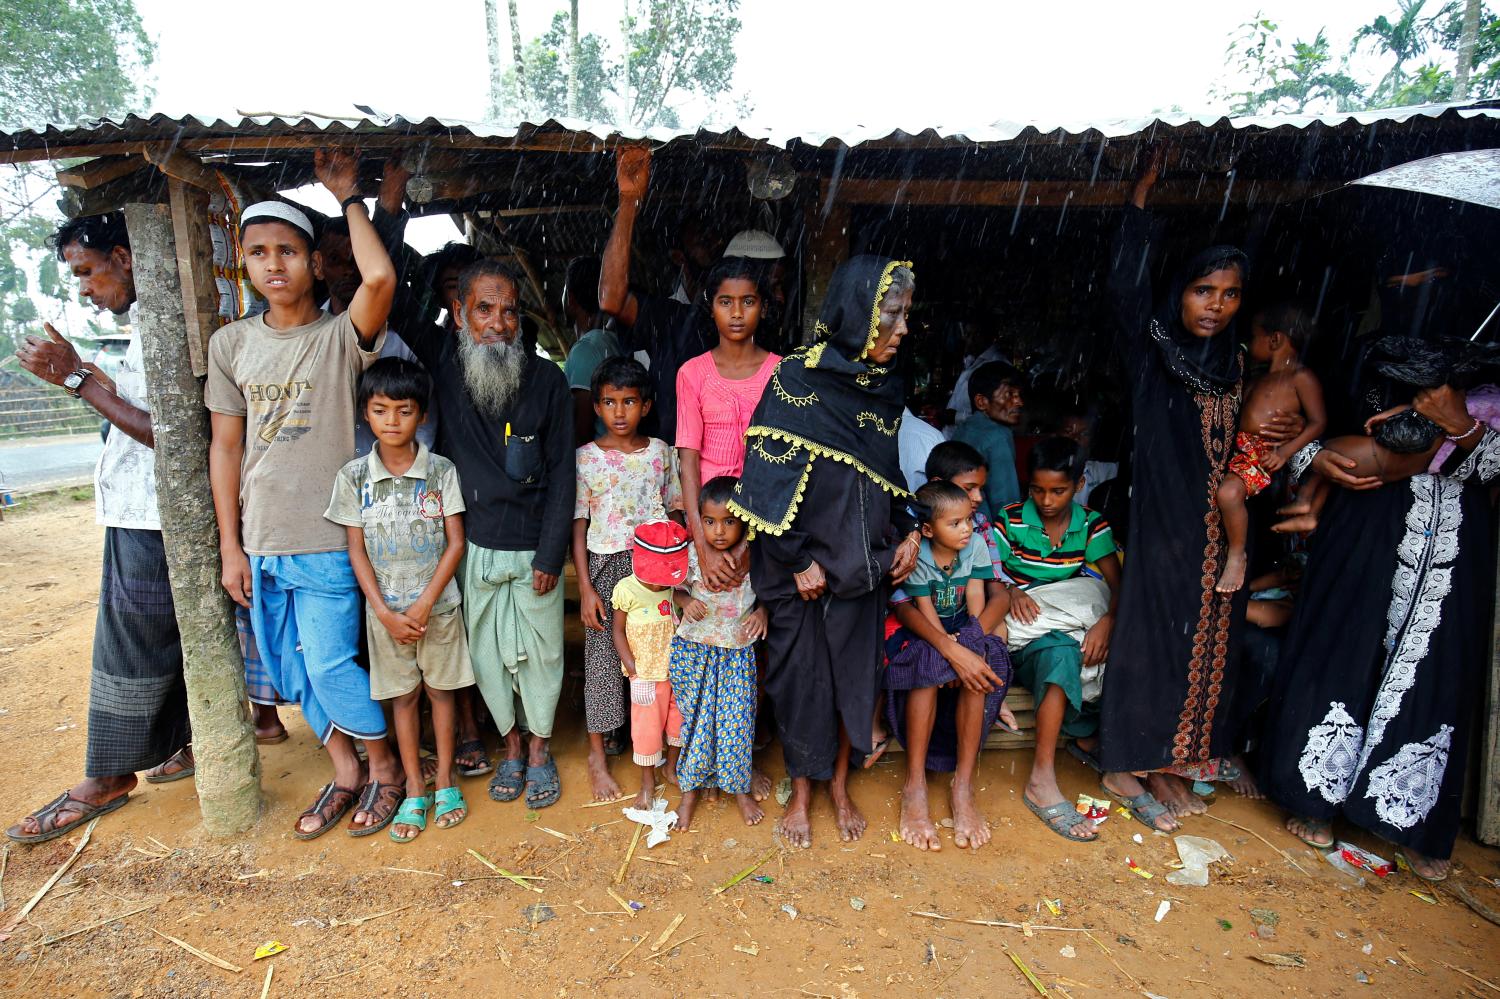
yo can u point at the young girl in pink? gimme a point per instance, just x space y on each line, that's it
717 392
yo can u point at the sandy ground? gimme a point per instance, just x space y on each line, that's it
835 921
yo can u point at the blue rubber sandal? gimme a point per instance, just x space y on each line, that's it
449 800
413 812
545 787
509 780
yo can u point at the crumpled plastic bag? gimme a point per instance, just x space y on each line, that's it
657 821
1196 853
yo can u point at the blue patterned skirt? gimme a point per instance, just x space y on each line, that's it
715 691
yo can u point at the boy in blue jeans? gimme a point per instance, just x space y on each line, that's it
280 392
403 508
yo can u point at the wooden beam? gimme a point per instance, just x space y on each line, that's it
200 295
182 167
87 176
228 768
925 192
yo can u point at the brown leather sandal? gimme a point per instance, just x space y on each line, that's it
380 800
332 804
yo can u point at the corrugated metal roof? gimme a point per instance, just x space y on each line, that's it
160 126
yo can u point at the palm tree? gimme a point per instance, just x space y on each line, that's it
1405 38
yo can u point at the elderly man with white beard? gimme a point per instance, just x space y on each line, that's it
506 423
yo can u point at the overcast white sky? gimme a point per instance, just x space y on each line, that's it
818 63
814 64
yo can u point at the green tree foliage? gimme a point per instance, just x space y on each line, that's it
1288 78
1417 43
63 61
670 53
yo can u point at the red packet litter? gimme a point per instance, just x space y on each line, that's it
1365 860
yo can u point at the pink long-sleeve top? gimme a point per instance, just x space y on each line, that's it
713 412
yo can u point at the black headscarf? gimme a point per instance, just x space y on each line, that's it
827 401
1211 365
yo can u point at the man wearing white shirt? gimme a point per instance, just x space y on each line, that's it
962 400
138 715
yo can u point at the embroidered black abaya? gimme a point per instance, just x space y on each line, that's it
821 471
1175 646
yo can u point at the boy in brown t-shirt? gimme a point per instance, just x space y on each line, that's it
281 389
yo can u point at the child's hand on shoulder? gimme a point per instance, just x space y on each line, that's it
591 609
402 628
755 626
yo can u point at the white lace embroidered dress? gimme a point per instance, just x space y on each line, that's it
1379 667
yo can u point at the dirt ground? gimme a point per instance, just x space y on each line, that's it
369 917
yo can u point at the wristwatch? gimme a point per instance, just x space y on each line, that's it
73 383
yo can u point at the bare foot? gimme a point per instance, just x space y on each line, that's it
750 809
1174 792
1233 576
794 823
1316 833
1305 524
1128 786
268 727
670 773
643 798
1044 792
1425 867
916 825
969 827
1244 784
712 795
604 786
685 810
760 785
846 815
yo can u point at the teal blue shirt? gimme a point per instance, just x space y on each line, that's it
592 349
998 446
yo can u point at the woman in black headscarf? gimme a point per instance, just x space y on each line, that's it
822 490
1174 649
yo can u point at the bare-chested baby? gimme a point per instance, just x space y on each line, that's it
1278 336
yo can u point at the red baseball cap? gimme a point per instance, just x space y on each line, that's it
659 553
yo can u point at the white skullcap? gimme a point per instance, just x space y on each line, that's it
262 210
757 244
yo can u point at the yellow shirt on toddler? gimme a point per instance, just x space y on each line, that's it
650 623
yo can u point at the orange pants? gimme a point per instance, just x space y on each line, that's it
650 722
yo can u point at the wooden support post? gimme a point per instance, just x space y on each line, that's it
200 296
228 777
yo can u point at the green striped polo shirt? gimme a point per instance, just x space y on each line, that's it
1030 558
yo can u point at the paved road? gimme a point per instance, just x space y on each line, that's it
48 461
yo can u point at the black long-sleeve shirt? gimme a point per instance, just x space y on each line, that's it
516 467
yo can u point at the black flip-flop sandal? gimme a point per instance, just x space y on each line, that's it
1085 757
87 809
341 798
370 798
472 746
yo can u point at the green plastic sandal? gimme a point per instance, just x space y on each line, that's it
449 800
413 812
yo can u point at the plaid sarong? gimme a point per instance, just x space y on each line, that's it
137 699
